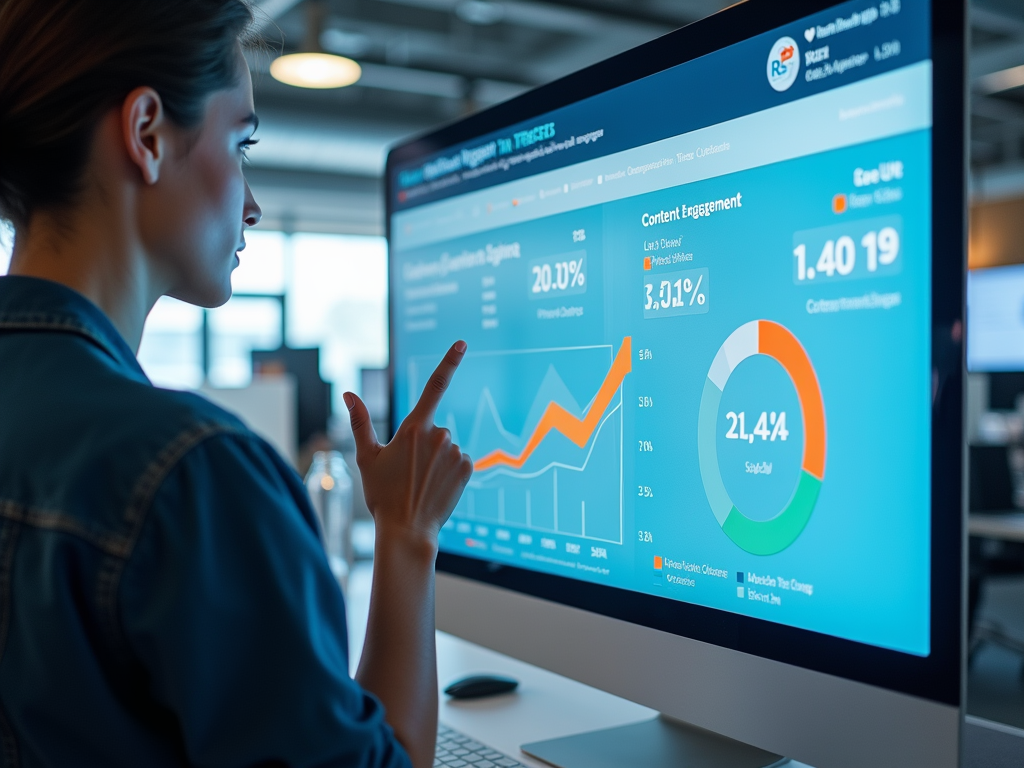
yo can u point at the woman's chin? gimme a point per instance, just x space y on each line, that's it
211 294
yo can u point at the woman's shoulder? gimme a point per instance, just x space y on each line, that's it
180 419
164 425
191 407
152 416
137 433
93 450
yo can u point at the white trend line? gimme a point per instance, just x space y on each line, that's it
555 464
487 401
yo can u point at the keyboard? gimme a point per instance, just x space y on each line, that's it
456 750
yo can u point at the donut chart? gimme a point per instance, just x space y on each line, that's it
763 537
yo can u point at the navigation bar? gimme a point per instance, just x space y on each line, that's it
894 103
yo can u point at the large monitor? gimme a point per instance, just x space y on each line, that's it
713 290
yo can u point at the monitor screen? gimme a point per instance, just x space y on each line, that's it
698 309
995 319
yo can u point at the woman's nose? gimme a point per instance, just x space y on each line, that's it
252 213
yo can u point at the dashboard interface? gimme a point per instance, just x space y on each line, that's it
698 316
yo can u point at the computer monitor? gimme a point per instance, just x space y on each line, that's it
995 319
713 290
313 407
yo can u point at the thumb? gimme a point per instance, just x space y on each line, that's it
367 446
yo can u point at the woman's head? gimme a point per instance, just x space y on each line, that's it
143 105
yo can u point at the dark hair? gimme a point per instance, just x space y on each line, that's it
64 63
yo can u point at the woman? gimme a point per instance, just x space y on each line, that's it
164 598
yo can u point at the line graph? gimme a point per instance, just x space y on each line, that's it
557 418
547 426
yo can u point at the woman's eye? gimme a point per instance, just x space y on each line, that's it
246 145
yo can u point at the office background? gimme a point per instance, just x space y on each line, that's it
314 272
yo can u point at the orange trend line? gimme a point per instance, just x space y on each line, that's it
557 418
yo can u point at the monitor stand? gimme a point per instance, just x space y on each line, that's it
659 742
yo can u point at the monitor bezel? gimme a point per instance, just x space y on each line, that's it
938 676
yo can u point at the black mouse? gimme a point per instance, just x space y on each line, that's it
478 686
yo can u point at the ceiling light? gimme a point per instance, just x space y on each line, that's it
315 70
1003 80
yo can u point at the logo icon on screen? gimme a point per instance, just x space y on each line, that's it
783 64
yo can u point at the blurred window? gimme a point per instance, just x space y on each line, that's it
261 266
338 301
171 352
332 290
243 324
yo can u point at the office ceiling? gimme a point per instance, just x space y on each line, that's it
426 62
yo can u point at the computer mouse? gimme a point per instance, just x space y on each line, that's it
479 686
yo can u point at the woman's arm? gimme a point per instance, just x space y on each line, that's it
229 605
412 484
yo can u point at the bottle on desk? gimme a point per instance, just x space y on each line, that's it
330 489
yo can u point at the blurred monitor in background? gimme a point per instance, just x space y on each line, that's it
314 394
995 321
995 332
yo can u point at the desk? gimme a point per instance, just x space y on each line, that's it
1007 526
547 705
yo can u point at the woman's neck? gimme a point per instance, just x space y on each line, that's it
91 251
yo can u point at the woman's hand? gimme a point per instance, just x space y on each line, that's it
413 483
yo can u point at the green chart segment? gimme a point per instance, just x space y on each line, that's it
763 537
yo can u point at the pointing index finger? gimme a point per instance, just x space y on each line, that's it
438 383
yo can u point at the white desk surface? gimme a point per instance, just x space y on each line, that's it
545 705
1007 526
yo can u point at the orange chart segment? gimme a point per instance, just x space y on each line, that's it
556 418
776 341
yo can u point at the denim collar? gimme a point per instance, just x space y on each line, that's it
30 304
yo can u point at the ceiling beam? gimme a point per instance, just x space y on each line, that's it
672 14
994 22
997 109
988 59
558 17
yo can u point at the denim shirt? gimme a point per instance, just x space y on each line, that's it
164 597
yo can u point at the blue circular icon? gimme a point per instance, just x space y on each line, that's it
783 63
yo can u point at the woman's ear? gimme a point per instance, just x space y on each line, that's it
145 129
